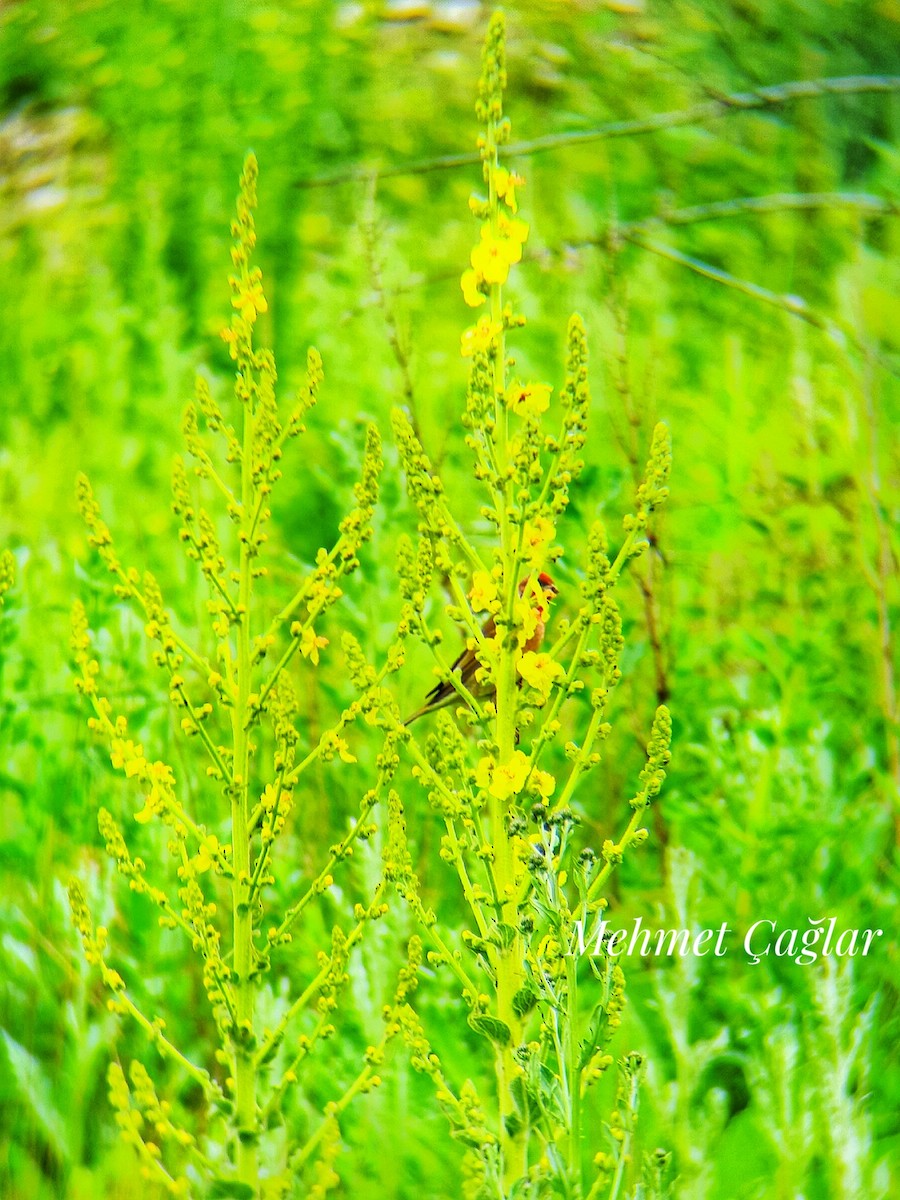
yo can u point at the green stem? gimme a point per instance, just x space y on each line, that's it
624 1156
573 1073
153 1029
245 1069
509 957
429 929
207 741
313 987
581 763
607 869
459 862
335 855
265 851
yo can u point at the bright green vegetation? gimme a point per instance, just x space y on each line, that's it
736 272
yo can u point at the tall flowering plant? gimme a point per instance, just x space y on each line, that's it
231 689
498 771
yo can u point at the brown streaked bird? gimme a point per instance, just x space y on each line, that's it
467 664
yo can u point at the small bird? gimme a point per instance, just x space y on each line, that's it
467 664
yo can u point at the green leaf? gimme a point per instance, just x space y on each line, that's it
506 933
229 1189
492 1028
524 1000
538 1095
597 1035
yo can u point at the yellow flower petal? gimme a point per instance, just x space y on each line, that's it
484 591
490 259
537 536
469 282
344 752
513 230
506 183
479 336
250 300
206 855
539 670
310 644
545 783
509 778
528 399
483 773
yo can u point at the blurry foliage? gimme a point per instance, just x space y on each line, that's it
767 609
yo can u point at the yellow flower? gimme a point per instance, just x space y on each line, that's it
506 779
528 398
128 756
469 284
161 778
333 743
545 783
483 773
509 777
484 591
250 300
310 645
204 859
344 752
539 670
514 230
479 336
529 610
229 337
493 256
537 536
162 785
487 652
506 183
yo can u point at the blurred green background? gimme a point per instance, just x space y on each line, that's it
764 616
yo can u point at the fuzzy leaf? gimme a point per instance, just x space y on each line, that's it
493 1028
229 1189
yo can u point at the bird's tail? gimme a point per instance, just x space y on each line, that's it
434 701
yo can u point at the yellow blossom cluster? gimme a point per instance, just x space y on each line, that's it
156 777
249 298
537 538
508 779
500 245
531 611
484 591
539 670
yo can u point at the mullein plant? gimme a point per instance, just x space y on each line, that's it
547 1012
232 694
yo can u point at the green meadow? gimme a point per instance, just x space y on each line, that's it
344 340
